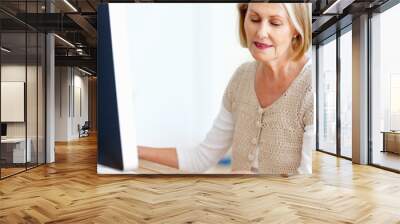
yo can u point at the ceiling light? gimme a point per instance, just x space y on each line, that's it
84 71
5 50
329 9
338 6
70 5
79 51
65 41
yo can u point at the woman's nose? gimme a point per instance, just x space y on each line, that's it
263 31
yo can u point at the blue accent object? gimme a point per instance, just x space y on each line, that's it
225 161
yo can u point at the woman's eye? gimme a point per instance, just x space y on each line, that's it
275 23
255 20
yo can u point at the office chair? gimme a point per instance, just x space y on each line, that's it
84 130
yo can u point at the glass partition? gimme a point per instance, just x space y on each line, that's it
31 100
22 88
14 153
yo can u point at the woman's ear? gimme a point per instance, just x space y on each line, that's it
296 33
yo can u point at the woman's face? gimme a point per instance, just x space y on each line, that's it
269 31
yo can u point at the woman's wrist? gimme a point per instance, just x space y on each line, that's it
141 151
167 156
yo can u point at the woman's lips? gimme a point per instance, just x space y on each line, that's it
262 46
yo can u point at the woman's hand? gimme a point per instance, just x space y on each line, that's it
165 156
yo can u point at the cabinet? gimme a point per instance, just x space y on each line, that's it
391 141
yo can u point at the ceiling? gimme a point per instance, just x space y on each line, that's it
76 20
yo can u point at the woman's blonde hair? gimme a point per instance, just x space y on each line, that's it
300 17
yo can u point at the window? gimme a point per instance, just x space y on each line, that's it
346 75
327 97
385 89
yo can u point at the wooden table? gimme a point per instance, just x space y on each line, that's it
148 167
391 141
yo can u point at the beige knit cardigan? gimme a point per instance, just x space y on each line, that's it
277 129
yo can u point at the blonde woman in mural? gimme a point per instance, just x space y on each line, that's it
266 117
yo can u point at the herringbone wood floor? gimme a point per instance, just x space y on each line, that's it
70 191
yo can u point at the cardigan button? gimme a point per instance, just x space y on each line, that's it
254 141
258 123
251 156
260 110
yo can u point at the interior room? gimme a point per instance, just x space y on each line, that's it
50 123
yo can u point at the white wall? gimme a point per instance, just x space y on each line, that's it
67 117
61 103
80 83
181 58
12 73
13 101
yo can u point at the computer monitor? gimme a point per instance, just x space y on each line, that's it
3 129
117 146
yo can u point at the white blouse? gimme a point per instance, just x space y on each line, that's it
218 141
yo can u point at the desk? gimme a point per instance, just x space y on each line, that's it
15 148
148 167
391 141
145 167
